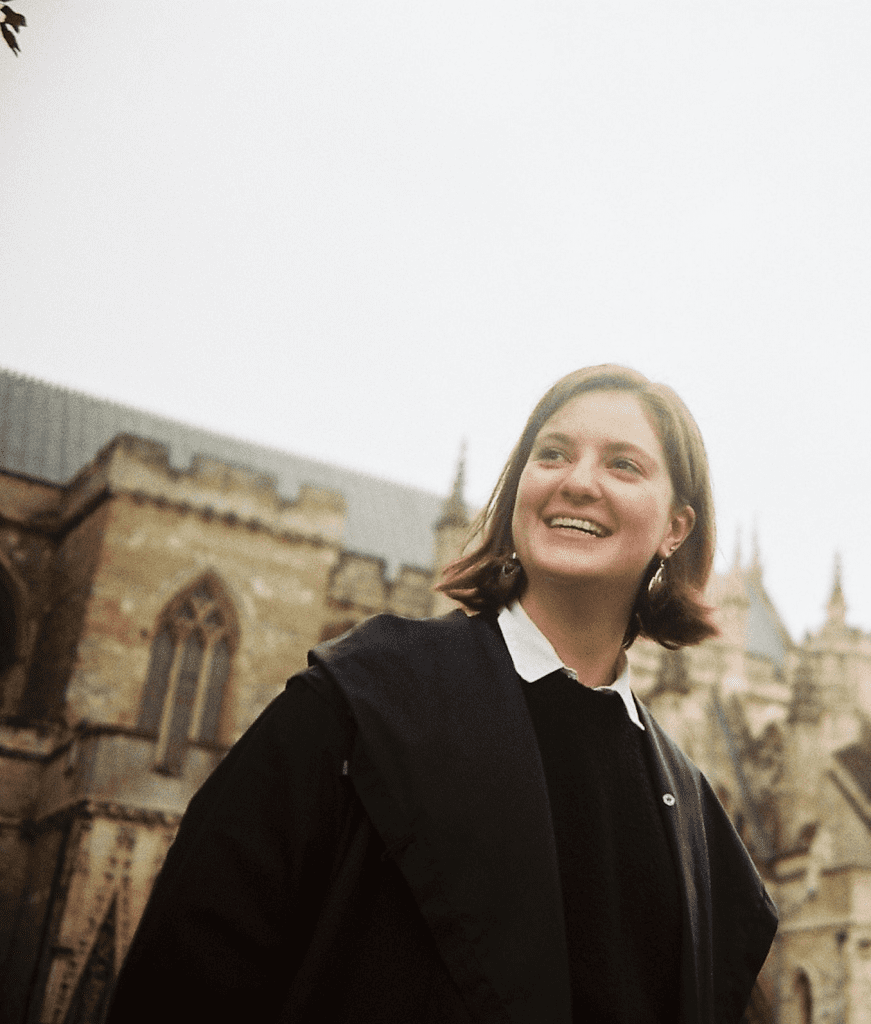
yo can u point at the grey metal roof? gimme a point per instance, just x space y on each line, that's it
50 432
766 634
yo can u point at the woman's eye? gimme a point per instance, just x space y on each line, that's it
550 455
626 464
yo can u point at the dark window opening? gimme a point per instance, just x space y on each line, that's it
8 630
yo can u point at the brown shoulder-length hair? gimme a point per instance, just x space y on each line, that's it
487 577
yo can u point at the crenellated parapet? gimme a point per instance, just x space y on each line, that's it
360 587
211 488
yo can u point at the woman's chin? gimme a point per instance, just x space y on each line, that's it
589 577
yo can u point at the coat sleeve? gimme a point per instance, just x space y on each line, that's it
744 918
235 905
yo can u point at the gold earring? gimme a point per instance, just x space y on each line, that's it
657 580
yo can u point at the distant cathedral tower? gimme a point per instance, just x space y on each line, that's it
451 533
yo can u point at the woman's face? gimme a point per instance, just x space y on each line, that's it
595 499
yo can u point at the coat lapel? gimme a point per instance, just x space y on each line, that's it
683 814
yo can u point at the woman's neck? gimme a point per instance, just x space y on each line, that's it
587 634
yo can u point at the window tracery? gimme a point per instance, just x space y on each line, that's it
188 672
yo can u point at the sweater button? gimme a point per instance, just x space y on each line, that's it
668 799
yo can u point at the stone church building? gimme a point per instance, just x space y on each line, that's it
159 583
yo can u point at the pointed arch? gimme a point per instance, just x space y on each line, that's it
194 641
804 998
90 1000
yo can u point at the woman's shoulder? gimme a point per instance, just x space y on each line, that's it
388 639
397 662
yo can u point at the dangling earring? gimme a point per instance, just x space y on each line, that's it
657 580
511 565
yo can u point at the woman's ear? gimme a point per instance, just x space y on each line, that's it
681 526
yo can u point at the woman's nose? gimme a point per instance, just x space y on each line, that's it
582 480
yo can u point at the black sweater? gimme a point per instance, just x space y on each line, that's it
615 863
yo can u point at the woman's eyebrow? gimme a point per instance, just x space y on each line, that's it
628 446
554 435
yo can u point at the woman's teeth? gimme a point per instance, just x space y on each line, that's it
580 524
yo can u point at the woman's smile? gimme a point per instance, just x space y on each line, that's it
583 525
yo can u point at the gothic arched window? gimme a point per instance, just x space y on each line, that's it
189 666
90 1000
804 998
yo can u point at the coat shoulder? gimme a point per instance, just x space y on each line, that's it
392 641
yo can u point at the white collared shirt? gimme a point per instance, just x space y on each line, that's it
534 657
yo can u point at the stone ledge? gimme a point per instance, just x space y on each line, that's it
29 741
91 809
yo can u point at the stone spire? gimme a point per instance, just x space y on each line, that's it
837 606
451 533
737 557
755 568
733 586
454 509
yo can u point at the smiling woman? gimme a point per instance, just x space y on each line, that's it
594 508
436 821
601 434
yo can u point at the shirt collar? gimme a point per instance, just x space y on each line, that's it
534 657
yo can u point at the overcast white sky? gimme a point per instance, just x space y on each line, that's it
365 231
